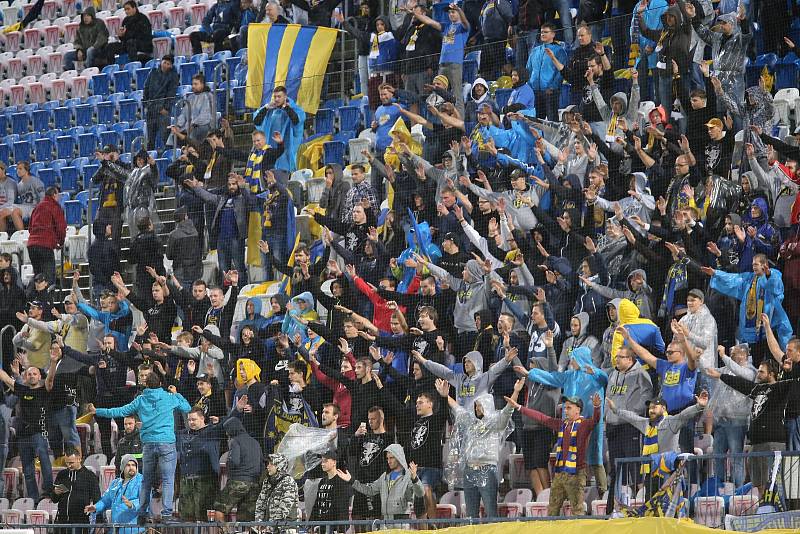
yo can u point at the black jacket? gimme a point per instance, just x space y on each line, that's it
769 404
183 248
427 44
83 489
147 251
138 29
159 89
245 461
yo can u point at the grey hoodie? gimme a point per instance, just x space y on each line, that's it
604 348
643 206
440 176
581 340
630 390
642 298
471 297
540 397
214 355
468 388
669 428
521 215
8 193
394 499
629 112
245 462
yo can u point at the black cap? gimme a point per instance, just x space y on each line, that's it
657 400
36 303
40 278
696 293
577 401
451 236
109 149
330 455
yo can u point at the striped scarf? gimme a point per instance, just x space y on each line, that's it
567 459
252 173
650 443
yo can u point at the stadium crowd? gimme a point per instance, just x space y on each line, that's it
590 283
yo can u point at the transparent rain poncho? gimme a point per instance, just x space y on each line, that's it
475 443
303 447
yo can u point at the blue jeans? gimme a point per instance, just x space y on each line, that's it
729 437
63 429
564 15
88 61
278 248
30 448
166 456
793 434
480 483
230 255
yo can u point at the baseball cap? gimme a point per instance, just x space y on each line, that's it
714 122
451 236
40 278
577 401
109 149
657 400
330 455
696 293
36 304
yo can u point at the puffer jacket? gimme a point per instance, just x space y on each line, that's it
278 499
396 497
94 34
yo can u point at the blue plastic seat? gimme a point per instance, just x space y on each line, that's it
4 120
349 117
22 151
43 148
128 136
5 153
73 212
323 121
69 178
127 109
122 81
36 167
208 68
62 118
786 72
501 97
187 70
41 120
65 146
48 177
239 106
19 123
82 198
110 69
469 69
105 112
88 173
232 62
199 58
141 76
161 165
84 114
334 152
62 198
100 84
110 137
87 145
344 136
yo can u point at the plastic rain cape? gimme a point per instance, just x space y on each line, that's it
476 441
303 447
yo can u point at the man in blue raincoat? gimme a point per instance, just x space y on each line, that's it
122 497
582 379
284 115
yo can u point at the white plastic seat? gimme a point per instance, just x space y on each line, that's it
784 102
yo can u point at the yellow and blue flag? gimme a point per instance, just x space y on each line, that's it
290 55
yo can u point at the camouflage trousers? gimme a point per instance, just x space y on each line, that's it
240 495
198 495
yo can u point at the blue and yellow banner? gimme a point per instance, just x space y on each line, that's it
290 55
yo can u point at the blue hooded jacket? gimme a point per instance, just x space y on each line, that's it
543 73
276 120
154 408
291 325
767 240
112 500
583 385
258 321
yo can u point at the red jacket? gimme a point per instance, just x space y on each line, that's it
381 315
48 226
341 395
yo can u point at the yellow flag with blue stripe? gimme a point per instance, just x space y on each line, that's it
288 55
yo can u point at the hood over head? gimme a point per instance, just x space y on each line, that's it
477 360
583 356
736 219
620 97
482 98
627 311
338 173
251 371
486 402
676 12
306 297
396 450
212 329
233 426
761 204
637 271
475 271
750 178
256 305
89 11
574 181
614 303
640 183
280 462
583 319
731 19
